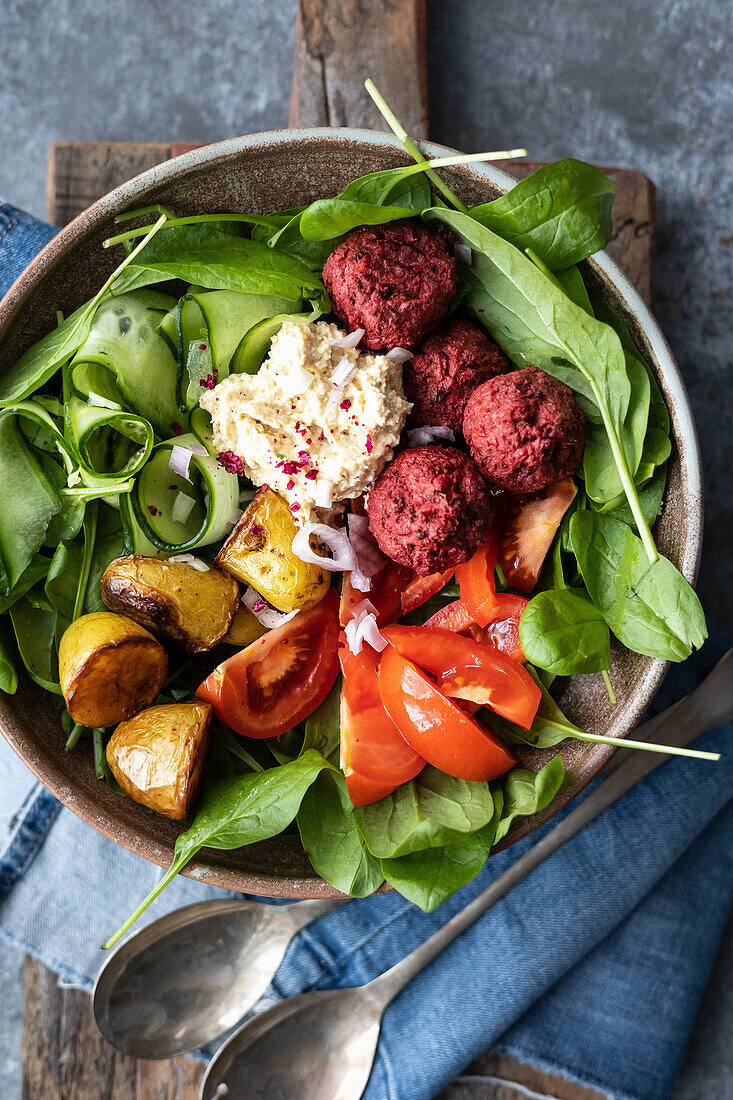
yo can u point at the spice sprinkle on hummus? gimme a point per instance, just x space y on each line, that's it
317 423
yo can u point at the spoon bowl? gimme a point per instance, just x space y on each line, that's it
318 1046
192 975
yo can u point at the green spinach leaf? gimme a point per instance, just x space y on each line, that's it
562 632
332 841
329 218
8 673
430 811
649 607
429 878
527 793
562 211
34 623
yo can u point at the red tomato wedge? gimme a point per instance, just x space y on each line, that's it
477 582
395 591
440 731
454 616
470 669
277 681
375 758
529 529
502 631
419 589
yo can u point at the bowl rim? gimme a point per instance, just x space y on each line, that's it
123 198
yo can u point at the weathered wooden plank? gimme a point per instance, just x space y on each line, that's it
80 172
179 1079
339 43
64 1056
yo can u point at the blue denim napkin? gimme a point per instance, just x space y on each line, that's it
592 968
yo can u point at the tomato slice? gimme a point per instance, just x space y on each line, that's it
503 630
371 743
440 731
375 758
385 594
529 529
477 581
277 681
470 669
454 616
419 589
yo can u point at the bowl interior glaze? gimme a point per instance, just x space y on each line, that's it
258 174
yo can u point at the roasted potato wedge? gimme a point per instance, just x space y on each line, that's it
109 668
158 757
244 630
186 606
259 552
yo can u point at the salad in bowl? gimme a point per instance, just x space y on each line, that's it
305 513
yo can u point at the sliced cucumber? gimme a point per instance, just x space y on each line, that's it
125 340
215 493
111 443
254 346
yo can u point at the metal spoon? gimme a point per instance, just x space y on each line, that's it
321 1046
193 974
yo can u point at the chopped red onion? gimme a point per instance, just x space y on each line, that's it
421 437
349 341
74 478
235 518
463 253
370 558
247 495
363 628
344 558
343 373
198 449
182 507
189 559
323 493
360 581
399 355
268 616
180 460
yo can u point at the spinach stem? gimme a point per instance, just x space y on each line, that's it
90 537
100 760
157 889
193 219
397 128
542 266
625 743
73 738
609 687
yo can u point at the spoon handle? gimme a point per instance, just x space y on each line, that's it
708 706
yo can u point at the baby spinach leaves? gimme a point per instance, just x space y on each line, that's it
332 840
650 607
429 878
430 811
564 633
562 211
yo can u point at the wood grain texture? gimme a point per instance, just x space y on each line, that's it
64 1056
339 43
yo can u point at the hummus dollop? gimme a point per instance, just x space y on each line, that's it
298 432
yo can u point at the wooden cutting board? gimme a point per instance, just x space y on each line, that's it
338 44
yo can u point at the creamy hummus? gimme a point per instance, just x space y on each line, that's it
299 433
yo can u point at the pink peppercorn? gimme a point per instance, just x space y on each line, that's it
232 463
177 429
311 475
256 529
202 347
346 404
295 507
369 444
290 484
153 510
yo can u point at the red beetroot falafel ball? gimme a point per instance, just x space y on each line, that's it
445 371
430 509
525 430
395 281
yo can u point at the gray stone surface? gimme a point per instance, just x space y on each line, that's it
635 83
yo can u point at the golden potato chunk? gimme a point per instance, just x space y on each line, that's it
259 552
245 629
109 668
189 607
158 757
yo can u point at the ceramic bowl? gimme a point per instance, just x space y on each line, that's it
261 173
